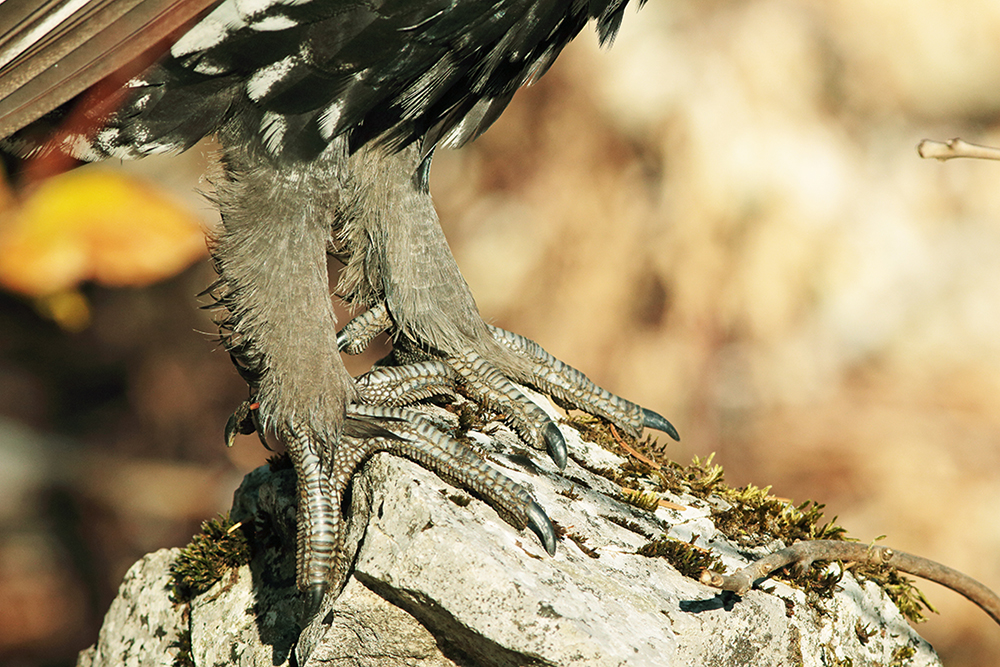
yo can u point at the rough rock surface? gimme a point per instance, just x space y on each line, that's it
440 579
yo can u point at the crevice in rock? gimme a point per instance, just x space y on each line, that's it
456 641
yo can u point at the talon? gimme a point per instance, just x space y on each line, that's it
313 599
231 425
556 444
243 421
420 440
652 420
540 525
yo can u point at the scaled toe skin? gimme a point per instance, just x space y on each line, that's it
488 386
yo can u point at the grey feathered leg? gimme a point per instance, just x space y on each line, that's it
397 255
277 322
398 264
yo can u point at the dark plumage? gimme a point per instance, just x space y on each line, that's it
328 112
308 72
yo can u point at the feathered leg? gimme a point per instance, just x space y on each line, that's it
278 324
279 327
399 265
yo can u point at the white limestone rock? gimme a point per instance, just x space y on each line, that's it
143 627
439 579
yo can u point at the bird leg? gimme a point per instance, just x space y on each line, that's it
411 435
322 530
279 328
277 322
397 262
278 325
481 380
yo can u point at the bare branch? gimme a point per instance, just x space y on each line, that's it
803 554
946 150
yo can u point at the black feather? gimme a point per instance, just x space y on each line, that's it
395 71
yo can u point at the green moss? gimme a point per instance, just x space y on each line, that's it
601 432
700 479
581 542
819 581
570 493
636 469
593 429
220 547
864 632
627 525
690 560
645 500
184 657
902 655
753 517
830 657
470 417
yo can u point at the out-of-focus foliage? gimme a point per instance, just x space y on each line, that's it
95 225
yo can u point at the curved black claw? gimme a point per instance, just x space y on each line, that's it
312 600
244 421
653 420
556 444
232 427
540 525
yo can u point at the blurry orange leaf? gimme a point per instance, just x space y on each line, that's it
93 225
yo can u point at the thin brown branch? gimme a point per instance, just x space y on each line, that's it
632 451
946 150
803 554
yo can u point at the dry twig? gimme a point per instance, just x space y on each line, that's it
803 554
946 150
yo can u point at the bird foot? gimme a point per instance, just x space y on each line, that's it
381 420
423 372
411 435
323 559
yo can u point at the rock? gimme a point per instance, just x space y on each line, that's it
440 579
143 627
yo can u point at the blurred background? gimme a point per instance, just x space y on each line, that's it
723 218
